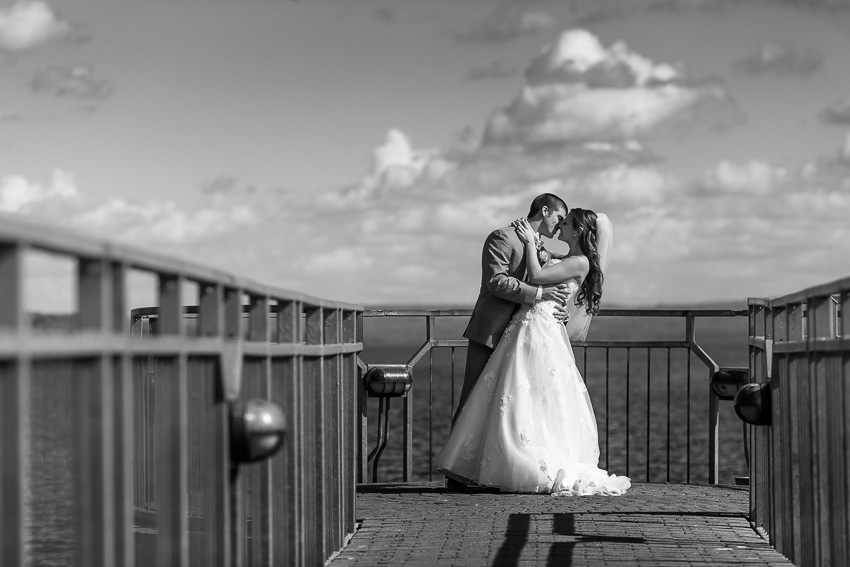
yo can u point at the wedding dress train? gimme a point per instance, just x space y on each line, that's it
528 424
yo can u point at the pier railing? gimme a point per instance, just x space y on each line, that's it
657 391
800 462
146 448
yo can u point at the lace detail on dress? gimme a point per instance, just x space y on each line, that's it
490 384
470 447
485 459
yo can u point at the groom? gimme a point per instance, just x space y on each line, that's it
503 288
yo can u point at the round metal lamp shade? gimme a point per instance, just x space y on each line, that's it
257 428
392 381
727 381
752 404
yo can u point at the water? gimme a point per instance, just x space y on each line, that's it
636 400
49 527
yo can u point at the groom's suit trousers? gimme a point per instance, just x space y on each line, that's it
477 356
502 291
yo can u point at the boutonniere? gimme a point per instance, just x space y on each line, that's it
543 255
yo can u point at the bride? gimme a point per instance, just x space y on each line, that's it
528 425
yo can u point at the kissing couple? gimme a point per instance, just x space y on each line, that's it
524 421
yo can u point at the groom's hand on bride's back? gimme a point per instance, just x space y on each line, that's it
559 294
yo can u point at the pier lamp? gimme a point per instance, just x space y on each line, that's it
727 381
385 382
257 428
389 380
752 404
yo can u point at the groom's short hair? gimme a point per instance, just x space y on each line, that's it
549 200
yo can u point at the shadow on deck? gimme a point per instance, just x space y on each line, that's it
653 524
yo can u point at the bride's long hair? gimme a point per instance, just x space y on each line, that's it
584 221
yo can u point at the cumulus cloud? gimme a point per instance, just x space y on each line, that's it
837 113
622 185
735 230
580 58
76 81
782 59
411 230
412 234
579 90
750 228
509 21
28 24
60 202
397 165
18 194
755 177
162 221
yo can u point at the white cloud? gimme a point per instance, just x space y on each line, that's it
27 24
756 177
509 21
397 166
621 185
715 237
783 59
76 81
17 194
579 57
61 203
478 215
411 230
578 90
163 222
340 259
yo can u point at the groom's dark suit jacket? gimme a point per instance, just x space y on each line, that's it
502 287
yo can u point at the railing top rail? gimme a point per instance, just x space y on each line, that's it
77 244
823 290
624 312
153 311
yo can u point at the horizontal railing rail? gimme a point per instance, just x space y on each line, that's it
800 463
620 373
143 446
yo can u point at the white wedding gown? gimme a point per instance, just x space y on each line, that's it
528 424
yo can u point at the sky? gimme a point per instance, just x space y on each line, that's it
361 150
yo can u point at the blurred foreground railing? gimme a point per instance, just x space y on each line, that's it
657 400
121 449
800 464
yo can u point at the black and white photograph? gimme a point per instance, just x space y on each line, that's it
424 282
